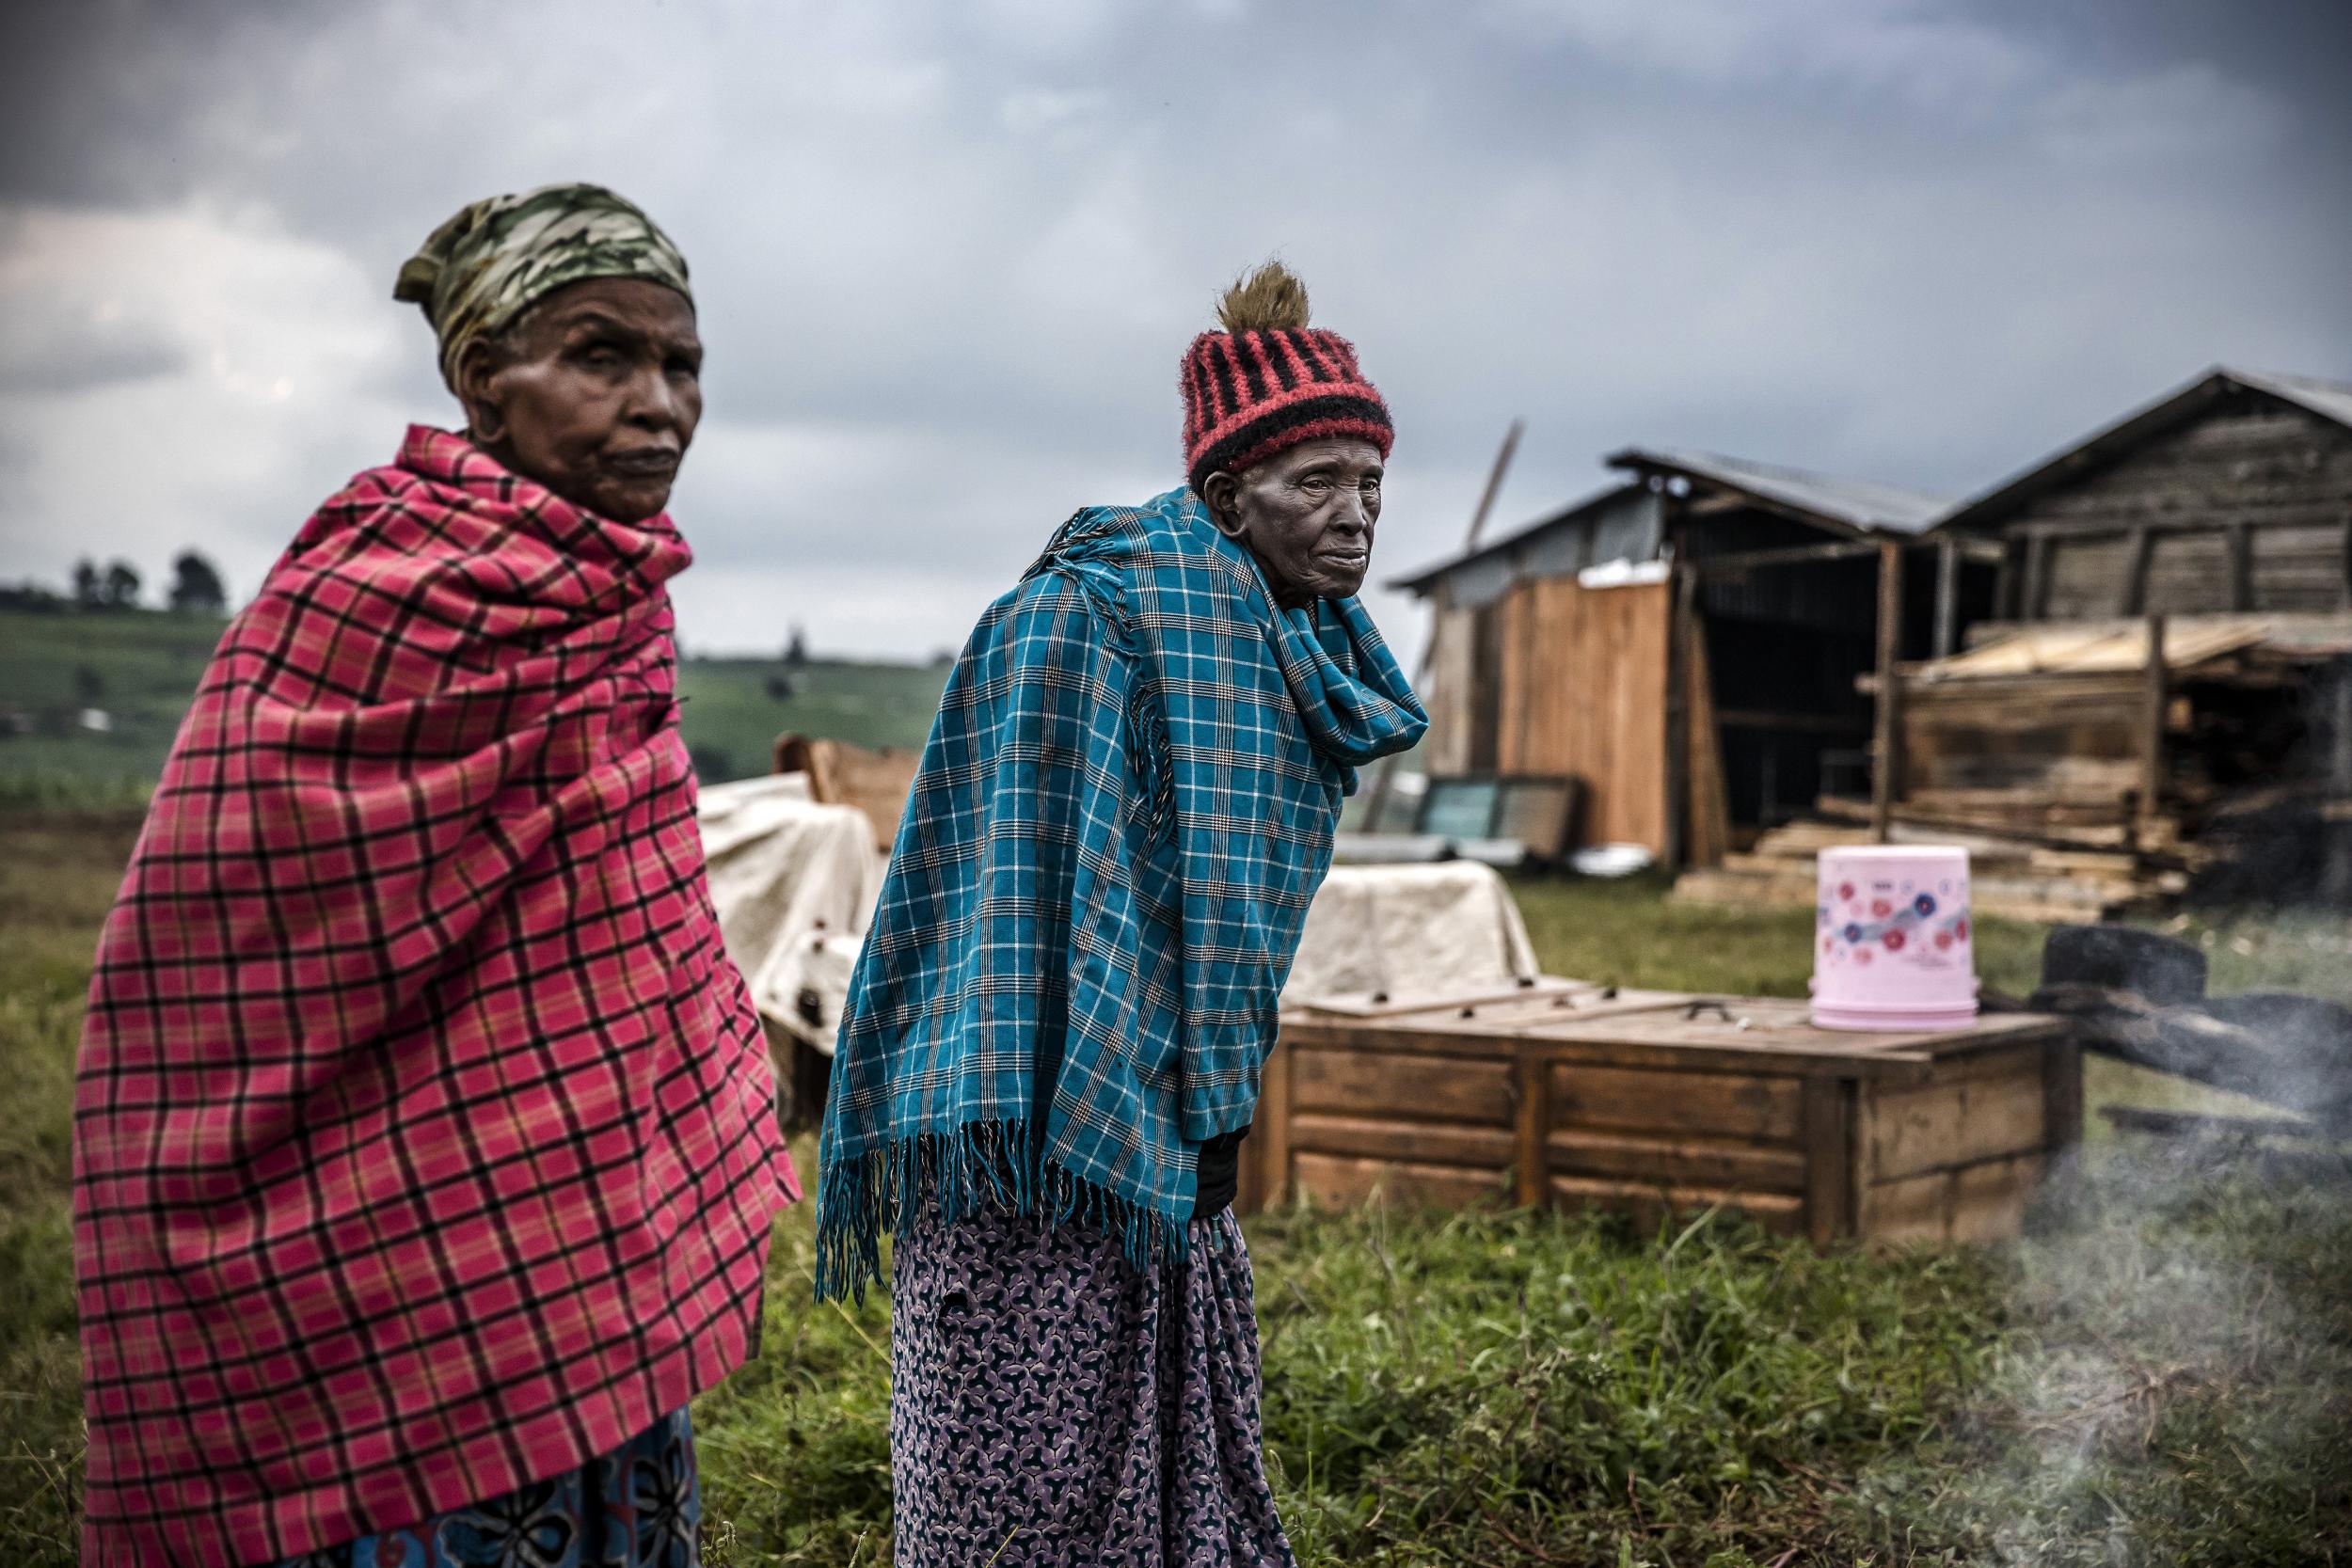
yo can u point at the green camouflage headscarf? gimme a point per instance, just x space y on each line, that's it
483 267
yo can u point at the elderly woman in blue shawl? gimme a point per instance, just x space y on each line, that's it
1052 1045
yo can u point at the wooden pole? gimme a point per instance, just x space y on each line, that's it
2340 741
1706 827
1681 605
1886 741
1946 596
2336 876
1441 600
1494 484
1271 1131
2034 600
2135 589
2153 699
1531 1087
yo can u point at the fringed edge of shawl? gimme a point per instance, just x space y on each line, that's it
981 1165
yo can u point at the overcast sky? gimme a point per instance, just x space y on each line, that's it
947 255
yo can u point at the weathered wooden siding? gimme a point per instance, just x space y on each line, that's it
2246 508
1580 688
1956 1158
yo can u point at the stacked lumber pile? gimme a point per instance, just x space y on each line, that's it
2015 877
2084 783
2063 735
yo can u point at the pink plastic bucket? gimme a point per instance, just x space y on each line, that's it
1891 945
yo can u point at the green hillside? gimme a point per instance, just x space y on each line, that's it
140 668
732 717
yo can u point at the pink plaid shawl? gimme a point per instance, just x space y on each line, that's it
425 1142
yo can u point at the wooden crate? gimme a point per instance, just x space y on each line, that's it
1640 1101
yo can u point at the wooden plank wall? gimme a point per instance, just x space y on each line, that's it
2245 508
1451 1131
1582 690
1956 1158
1646 1139
1421 1131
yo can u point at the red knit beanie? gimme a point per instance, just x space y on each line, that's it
1269 381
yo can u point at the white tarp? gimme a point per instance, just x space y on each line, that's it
795 884
796 881
1410 930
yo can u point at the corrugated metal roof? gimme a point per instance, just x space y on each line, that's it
2330 400
1855 503
1423 576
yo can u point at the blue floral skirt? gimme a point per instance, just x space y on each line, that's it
639 1506
1054 1406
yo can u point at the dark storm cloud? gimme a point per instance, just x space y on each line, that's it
947 255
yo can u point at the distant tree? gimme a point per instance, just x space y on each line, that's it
89 589
796 650
196 585
121 588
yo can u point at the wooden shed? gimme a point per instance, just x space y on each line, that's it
2231 495
2159 696
1688 644
2168 677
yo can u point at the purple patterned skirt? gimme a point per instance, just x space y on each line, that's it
1053 1406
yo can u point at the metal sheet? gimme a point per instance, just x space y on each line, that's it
1859 504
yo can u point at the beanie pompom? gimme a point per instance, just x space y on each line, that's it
1272 299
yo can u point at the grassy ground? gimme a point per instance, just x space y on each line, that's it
57 877
2161 1373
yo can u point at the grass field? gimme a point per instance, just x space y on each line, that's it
141 667
2161 1373
731 720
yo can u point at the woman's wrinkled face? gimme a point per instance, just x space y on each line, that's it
1307 514
594 393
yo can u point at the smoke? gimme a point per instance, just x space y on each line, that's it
2177 1378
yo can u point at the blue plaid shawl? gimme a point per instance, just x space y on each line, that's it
1125 807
